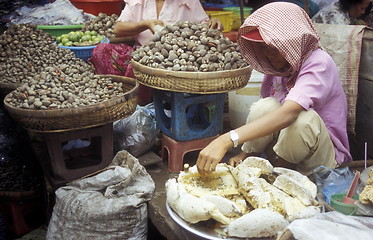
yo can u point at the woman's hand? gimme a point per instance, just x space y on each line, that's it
127 29
269 123
152 23
215 23
213 153
234 161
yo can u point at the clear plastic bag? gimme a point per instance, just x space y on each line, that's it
331 181
136 133
60 12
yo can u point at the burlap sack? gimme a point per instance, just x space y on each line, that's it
110 204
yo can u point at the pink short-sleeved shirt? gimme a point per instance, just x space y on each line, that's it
171 12
317 87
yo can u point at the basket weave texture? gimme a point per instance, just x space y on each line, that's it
6 88
192 82
57 120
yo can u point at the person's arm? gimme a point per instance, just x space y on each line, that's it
127 29
270 123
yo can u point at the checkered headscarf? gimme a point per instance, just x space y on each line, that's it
285 26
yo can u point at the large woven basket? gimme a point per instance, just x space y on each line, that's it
192 82
58 120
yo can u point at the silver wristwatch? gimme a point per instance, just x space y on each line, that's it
234 137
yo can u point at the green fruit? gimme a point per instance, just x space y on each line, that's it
68 44
100 38
94 33
87 32
58 39
64 40
85 38
74 38
80 33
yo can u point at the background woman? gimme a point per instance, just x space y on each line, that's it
345 12
139 19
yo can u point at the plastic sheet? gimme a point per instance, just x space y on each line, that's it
332 225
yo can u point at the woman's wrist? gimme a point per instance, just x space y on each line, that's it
226 141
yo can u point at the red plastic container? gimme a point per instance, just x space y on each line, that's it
99 6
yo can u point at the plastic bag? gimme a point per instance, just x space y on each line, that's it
363 209
114 59
60 12
136 133
331 181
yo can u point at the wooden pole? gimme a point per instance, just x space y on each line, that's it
307 6
242 11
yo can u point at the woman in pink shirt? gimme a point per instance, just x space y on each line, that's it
300 123
139 17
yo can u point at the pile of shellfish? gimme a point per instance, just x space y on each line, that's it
102 23
47 76
26 51
189 46
64 86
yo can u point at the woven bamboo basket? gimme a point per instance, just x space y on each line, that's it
6 88
57 120
192 82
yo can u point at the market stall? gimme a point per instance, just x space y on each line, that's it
53 92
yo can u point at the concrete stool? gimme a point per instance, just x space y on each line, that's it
177 150
71 164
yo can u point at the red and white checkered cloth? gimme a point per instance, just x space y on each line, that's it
285 26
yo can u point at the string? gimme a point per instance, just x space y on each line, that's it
365 154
